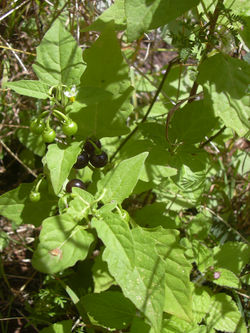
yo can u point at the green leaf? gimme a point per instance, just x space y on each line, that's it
178 292
235 113
223 315
245 32
16 206
106 114
135 265
203 255
138 325
227 278
59 161
232 256
31 141
62 243
241 7
119 183
199 226
115 13
79 207
101 276
64 326
59 59
192 123
192 169
109 309
220 66
4 240
201 303
172 324
30 88
154 215
143 15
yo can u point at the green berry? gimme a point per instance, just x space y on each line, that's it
49 135
37 126
69 127
34 196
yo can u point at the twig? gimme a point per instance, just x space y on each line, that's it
12 318
171 63
17 126
212 137
20 51
18 159
12 10
27 319
16 56
175 108
209 46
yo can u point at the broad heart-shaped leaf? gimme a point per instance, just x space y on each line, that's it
59 59
135 265
59 161
119 183
223 315
64 326
106 114
230 75
192 123
115 13
16 206
178 292
109 309
143 15
235 113
62 243
30 88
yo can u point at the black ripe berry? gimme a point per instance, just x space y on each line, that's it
82 160
99 161
75 183
89 148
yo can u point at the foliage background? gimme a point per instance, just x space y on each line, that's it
193 187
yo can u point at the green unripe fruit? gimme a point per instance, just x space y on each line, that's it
37 126
69 127
49 135
34 196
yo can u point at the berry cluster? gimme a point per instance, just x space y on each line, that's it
40 126
91 153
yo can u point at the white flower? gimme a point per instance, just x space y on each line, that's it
71 94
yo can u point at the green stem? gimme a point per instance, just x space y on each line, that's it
61 115
38 184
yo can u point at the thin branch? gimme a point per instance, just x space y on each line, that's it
212 137
175 108
12 10
16 50
209 46
18 159
171 63
16 56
